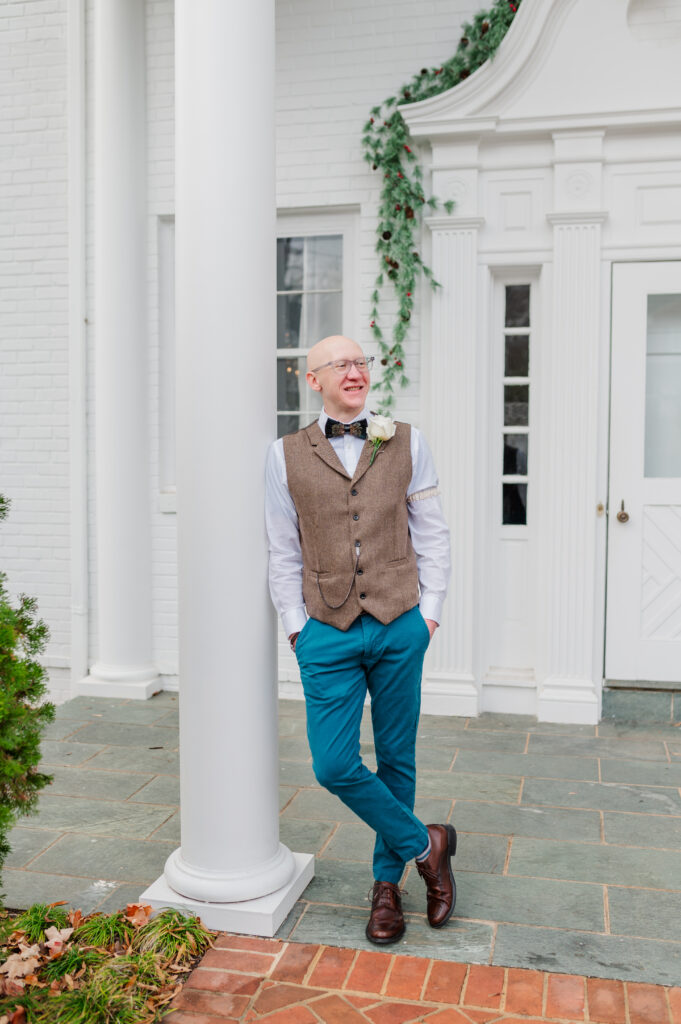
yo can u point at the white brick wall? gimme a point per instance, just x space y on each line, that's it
34 425
335 59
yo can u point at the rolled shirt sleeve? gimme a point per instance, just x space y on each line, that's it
286 560
428 530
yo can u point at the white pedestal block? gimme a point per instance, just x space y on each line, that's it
136 685
262 916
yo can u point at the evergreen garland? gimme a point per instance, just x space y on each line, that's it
387 149
22 715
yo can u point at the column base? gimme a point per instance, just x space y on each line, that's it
568 701
443 693
261 916
134 683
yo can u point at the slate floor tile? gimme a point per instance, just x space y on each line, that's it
87 781
589 862
305 836
661 832
138 759
164 789
53 752
600 956
61 728
289 725
541 766
492 722
23 888
27 843
599 746
286 795
645 912
294 748
169 830
135 712
539 822
470 739
601 796
468 786
119 897
106 858
98 817
317 803
296 773
120 734
527 901
641 773
351 842
337 882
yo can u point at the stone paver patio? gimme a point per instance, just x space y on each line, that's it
569 836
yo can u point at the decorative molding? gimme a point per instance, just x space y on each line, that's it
577 217
454 223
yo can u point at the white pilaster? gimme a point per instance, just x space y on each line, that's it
231 867
449 367
123 544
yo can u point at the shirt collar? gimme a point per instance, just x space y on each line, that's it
324 416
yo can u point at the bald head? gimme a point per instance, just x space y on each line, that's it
333 347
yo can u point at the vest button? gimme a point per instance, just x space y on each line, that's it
362 596
354 492
355 517
360 572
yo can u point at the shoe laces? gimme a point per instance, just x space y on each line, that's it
382 894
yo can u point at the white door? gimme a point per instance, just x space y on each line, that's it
643 638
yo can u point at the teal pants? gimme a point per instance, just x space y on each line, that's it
337 671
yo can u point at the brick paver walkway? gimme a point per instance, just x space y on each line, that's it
245 979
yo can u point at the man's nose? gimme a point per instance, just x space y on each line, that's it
353 372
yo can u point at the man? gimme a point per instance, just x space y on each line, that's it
358 543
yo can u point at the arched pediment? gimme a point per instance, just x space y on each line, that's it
567 63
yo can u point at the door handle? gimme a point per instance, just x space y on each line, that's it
622 516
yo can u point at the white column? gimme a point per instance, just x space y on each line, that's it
569 680
231 867
450 384
123 544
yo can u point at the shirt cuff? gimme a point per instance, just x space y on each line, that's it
430 606
294 619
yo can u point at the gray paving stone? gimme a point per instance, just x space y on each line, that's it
23 888
164 789
351 842
85 707
290 725
170 717
539 822
291 920
468 941
601 796
642 830
135 712
433 811
641 773
138 759
599 746
637 706
106 858
169 830
294 748
530 901
480 853
492 722
434 757
126 735
61 728
589 862
27 843
98 817
87 781
540 766
465 786
645 912
292 707
647 733
341 883
286 794
67 752
469 739
318 803
296 773
599 956
119 897
305 836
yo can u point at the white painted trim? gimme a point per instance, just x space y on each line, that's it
77 340
92 686
578 217
450 694
262 916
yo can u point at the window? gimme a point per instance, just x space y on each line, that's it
516 404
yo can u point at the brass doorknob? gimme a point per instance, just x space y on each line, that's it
622 516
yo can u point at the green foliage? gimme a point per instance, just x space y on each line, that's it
70 962
172 934
388 148
37 919
23 712
106 930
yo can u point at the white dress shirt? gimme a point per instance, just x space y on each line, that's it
427 527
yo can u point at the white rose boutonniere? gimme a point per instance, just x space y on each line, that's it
380 429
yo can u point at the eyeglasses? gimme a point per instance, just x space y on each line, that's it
341 366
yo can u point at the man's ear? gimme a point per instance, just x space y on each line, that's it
312 381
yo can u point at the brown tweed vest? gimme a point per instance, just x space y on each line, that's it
336 512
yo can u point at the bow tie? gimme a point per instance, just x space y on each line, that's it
336 429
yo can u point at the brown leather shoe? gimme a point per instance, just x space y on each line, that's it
436 871
386 923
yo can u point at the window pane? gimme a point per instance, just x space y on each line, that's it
663 387
517 356
291 384
324 316
287 424
517 305
515 454
323 262
289 264
516 399
515 504
289 308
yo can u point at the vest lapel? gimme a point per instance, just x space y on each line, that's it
324 449
365 460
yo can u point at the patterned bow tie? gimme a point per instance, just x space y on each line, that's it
336 429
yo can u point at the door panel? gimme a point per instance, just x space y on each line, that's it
643 626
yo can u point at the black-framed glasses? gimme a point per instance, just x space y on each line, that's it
340 366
